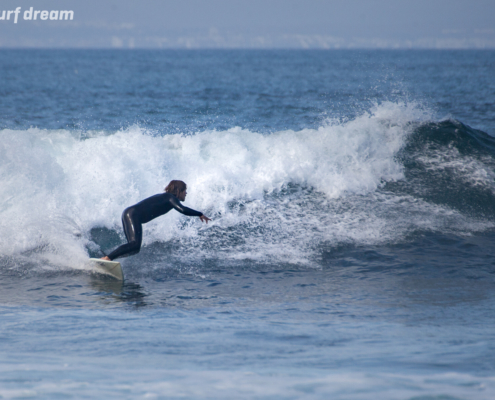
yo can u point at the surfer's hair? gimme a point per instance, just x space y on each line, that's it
175 187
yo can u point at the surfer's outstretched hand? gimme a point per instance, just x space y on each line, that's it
204 218
106 258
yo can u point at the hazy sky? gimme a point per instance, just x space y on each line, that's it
253 24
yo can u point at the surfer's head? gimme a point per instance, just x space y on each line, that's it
178 189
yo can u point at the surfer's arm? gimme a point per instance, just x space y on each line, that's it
177 205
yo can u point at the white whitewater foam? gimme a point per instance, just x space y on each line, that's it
222 384
472 171
56 186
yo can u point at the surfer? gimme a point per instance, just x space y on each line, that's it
135 216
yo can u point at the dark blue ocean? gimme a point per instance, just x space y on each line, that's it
351 249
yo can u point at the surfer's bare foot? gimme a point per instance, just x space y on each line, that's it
106 258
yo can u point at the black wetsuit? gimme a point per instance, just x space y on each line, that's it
135 216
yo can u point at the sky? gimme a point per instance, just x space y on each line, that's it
298 24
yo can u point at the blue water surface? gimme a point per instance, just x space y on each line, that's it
350 253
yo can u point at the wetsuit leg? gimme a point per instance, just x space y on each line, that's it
133 230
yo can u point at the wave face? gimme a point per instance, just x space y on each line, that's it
290 196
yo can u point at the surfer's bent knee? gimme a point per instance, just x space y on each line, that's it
135 246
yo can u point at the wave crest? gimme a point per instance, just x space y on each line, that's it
282 194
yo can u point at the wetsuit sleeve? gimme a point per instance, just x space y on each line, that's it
176 204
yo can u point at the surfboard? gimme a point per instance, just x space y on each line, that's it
111 268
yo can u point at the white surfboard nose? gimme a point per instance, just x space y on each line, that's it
112 268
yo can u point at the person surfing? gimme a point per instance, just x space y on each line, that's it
148 209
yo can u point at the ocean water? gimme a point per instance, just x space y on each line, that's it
350 253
